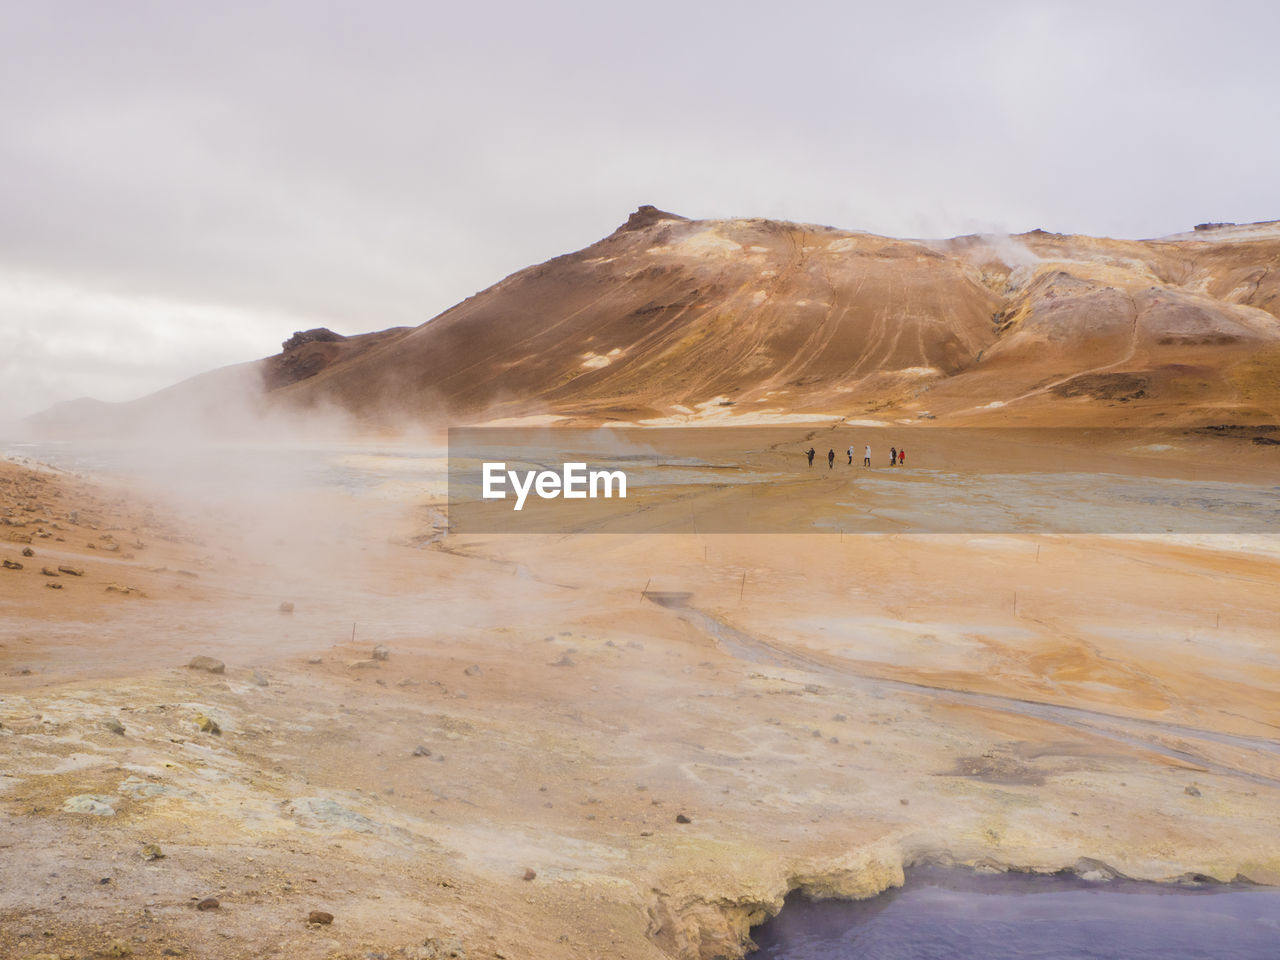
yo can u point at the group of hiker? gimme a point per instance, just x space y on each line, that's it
897 457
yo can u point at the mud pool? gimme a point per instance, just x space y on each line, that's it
967 916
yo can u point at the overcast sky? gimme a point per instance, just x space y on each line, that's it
182 185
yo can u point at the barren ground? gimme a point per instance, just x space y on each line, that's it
821 710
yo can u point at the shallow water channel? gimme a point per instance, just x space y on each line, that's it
960 915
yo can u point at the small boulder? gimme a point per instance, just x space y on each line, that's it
207 725
530 873
435 949
321 917
286 607
71 571
208 903
12 565
208 664
112 725
681 818
473 670
381 653
260 679
421 751
48 571
152 851
1192 791
53 586
28 552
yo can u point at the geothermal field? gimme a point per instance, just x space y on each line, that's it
273 683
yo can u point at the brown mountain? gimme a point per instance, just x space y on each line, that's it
675 317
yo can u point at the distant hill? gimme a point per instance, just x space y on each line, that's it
669 316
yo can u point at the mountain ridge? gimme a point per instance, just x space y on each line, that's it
671 317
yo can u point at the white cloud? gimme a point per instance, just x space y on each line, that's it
369 164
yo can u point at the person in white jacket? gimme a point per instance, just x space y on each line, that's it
866 456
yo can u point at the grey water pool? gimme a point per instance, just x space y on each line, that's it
959 915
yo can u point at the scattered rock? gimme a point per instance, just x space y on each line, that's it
421 751
433 949
473 670
314 660
333 814
48 571
530 874
92 803
1096 871
259 679
71 571
208 903
53 586
141 789
381 653
28 552
321 917
362 664
118 948
120 588
1198 879
904 801
839 718
207 725
113 725
12 565
1192 791
152 851
681 818
564 660
812 688
286 607
407 682
208 664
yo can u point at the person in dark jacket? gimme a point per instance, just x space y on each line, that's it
831 458
809 453
893 456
